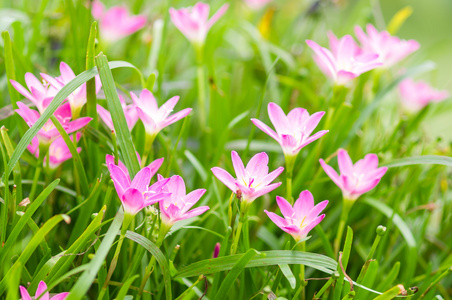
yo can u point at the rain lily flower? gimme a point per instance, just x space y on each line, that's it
194 21
130 112
136 194
48 133
390 49
58 151
252 181
257 4
345 60
116 23
40 290
78 98
39 93
216 250
301 218
293 132
176 207
416 95
153 117
355 179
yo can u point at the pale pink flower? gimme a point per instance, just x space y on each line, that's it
58 150
416 95
153 117
390 49
356 179
257 4
40 290
130 112
48 133
194 21
176 207
252 181
39 93
76 99
345 60
136 194
300 219
293 132
116 23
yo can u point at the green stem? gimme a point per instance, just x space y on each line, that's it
243 215
201 80
185 293
147 272
346 206
125 225
303 282
43 149
148 149
290 162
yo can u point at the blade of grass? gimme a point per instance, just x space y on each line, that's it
124 137
33 244
24 219
85 281
419 160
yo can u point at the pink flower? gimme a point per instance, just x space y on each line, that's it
130 113
390 49
216 250
292 131
356 179
58 151
301 218
116 23
416 96
176 207
48 133
153 117
78 98
39 93
345 61
136 194
257 4
41 288
252 181
194 21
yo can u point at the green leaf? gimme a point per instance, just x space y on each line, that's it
123 135
125 287
391 293
197 165
419 160
268 258
161 259
9 66
33 244
287 272
85 281
238 267
24 219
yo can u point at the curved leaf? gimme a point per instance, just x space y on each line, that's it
419 160
267 258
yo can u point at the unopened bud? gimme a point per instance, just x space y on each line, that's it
381 230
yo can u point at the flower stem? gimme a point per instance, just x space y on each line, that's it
346 206
147 272
290 161
43 149
148 149
201 80
243 215
125 225
303 282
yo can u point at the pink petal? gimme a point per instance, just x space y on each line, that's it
155 165
24 293
257 167
191 198
220 12
345 163
303 205
77 124
141 180
60 296
304 232
193 213
133 201
237 163
225 178
176 117
272 176
265 129
280 222
278 118
316 210
66 72
285 207
40 290
331 173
